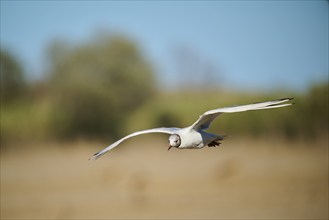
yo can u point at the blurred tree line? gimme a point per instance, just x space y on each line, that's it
13 83
105 88
87 93
95 86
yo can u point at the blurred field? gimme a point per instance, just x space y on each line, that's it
241 179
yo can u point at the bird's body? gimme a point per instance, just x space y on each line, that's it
195 136
195 139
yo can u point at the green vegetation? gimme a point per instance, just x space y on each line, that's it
307 119
95 86
105 88
12 81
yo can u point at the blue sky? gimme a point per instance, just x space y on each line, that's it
251 44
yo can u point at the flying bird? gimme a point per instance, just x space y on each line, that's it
195 136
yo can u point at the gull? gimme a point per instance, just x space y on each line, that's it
194 136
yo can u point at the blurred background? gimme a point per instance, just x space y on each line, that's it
76 76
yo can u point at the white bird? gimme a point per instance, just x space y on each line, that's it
194 136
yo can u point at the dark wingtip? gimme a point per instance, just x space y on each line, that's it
94 157
287 98
291 98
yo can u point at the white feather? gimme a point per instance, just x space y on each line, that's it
154 130
191 137
205 119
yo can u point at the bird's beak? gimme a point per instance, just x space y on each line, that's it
169 147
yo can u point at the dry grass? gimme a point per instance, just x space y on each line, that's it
241 179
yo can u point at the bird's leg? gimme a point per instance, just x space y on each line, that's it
214 143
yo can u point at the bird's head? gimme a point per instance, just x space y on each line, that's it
174 141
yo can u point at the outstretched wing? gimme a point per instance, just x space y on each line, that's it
205 120
154 130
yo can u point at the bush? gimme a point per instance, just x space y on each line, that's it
96 85
12 80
